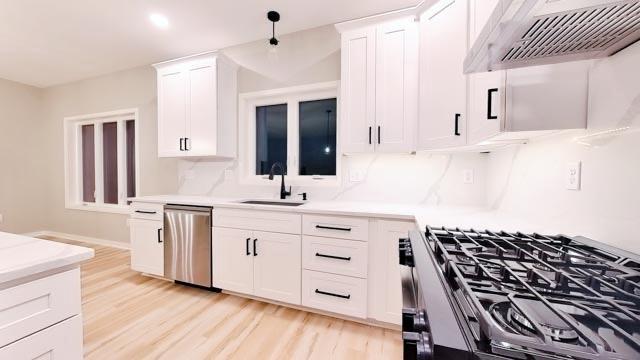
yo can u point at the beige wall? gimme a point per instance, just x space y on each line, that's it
135 88
23 171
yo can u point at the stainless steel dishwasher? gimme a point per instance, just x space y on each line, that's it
187 244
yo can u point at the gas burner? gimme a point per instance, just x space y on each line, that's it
510 317
542 267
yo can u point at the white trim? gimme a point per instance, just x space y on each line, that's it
73 181
290 96
80 238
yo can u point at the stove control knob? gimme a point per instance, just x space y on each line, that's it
414 320
406 255
415 346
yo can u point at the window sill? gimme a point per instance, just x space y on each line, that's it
330 181
112 209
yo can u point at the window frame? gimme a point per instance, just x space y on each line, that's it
73 160
291 96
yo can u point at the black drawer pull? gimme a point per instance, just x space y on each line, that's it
334 257
181 144
146 212
369 135
255 247
332 228
159 239
456 131
248 252
332 294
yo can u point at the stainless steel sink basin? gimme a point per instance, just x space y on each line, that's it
275 203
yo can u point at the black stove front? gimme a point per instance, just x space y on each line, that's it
521 296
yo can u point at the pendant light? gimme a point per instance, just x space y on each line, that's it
274 17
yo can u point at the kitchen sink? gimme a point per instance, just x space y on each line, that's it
267 202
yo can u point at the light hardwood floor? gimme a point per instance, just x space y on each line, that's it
130 316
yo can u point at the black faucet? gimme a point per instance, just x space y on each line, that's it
283 191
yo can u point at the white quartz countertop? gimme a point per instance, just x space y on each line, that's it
22 256
450 216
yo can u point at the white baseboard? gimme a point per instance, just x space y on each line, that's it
80 238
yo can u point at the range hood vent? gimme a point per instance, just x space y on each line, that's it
536 33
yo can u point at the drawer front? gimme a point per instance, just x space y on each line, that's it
336 256
335 293
147 211
271 221
352 228
61 341
33 306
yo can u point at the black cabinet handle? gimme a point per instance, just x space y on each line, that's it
186 144
457 125
332 228
145 212
369 135
332 294
181 144
255 247
378 134
490 115
248 252
334 257
159 239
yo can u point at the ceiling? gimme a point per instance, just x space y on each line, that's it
44 43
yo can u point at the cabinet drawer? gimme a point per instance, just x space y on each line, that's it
147 211
61 341
335 293
272 221
336 256
33 306
336 227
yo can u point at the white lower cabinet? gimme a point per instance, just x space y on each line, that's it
385 290
60 341
276 266
147 248
335 293
258 263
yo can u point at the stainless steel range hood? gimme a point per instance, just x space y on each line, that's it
524 33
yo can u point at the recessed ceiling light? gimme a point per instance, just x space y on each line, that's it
159 21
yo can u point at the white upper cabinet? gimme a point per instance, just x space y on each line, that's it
197 107
443 86
358 101
379 87
486 90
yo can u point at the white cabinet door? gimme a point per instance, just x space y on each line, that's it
147 248
443 86
232 259
277 266
396 86
172 110
60 341
486 90
201 108
385 289
358 88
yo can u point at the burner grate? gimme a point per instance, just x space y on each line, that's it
543 293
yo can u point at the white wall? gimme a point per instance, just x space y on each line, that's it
23 174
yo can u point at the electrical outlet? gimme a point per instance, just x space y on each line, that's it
228 174
467 176
574 173
189 174
1 218
355 175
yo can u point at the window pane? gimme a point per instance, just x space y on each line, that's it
130 131
271 137
318 137
110 162
88 164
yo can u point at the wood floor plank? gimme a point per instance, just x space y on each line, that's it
130 316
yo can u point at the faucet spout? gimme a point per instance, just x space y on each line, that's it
283 190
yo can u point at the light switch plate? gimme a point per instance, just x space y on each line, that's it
228 174
355 175
467 176
574 174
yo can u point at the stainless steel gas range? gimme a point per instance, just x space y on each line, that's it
471 294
